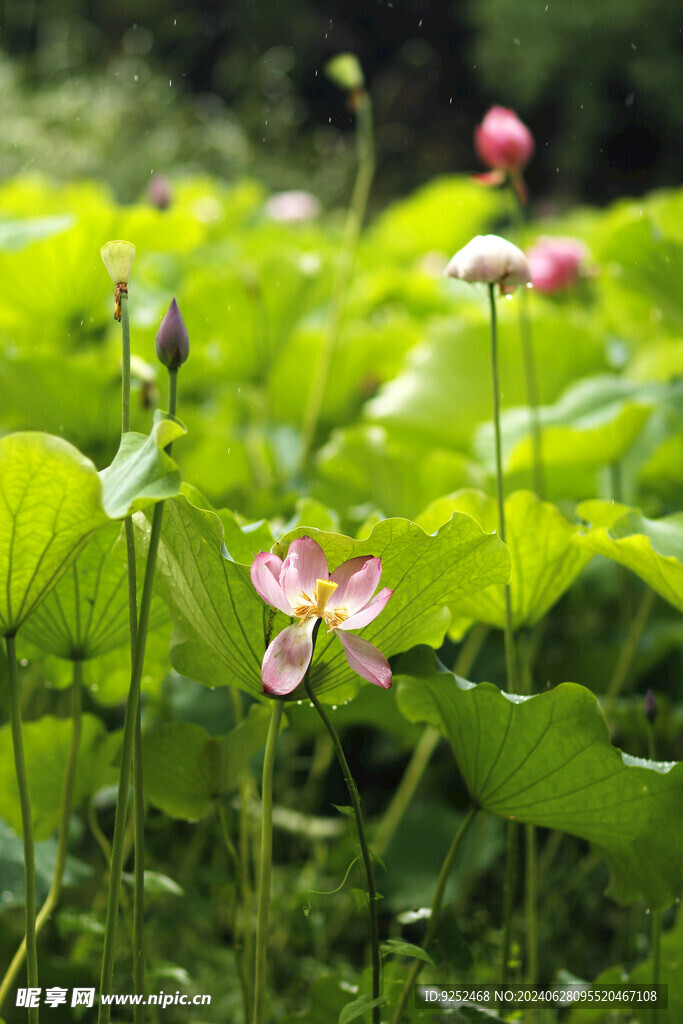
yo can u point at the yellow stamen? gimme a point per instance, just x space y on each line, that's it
324 589
317 605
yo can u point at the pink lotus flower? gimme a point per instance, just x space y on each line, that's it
556 263
293 207
302 586
490 259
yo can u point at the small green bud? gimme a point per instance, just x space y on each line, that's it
172 341
345 71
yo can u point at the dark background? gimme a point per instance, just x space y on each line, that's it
599 82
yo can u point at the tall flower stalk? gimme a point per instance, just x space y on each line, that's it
121 313
494 261
302 586
172 348
371 887
265 865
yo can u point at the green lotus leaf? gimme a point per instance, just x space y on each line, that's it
444 391
547 760
652 548
593 423
86 614
546 554
222 622
142 472
51 501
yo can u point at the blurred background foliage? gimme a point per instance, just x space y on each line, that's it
121 91
230 102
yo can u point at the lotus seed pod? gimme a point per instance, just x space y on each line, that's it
118 259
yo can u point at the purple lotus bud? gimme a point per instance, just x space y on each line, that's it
159 192
172 341
650 709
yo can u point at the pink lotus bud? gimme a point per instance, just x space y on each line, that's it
172 341
159 192
503 142
490 259
556 263
292 207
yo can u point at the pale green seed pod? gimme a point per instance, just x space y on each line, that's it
118 258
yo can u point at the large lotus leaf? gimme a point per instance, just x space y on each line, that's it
222 621
652 548
186 770
546 554
46 745
445 390
51 501
365 466
594 423
86 614
547 760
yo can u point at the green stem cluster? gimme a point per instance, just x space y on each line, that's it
365 850
53 895
434 914
265 864
26 821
